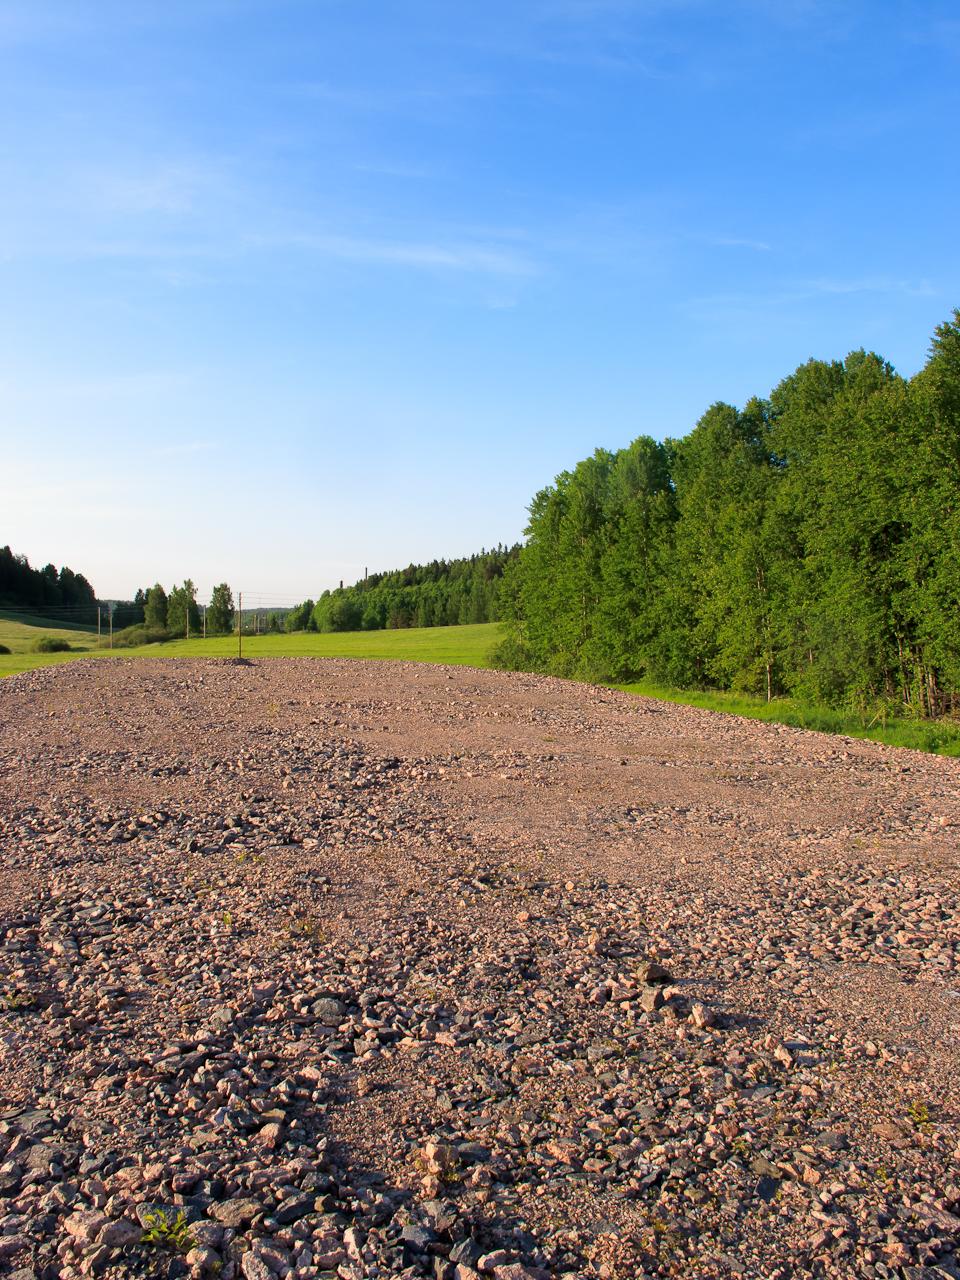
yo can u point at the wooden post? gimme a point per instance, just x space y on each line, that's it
98 626
204 622
110 607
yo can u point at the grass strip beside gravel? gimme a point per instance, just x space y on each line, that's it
940 737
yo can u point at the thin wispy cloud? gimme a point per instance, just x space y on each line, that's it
432 255
440 254
168 189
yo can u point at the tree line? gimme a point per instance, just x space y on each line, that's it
155 614
807 544
439 594
57 593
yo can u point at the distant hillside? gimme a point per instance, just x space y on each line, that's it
19 631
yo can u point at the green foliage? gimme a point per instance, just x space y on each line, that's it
155 608
50 591
300 618
183 612
128 613
440 594
806 545
918 1113
50 644
133 637
167 1230
221 613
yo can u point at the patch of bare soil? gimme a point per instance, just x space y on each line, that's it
329 968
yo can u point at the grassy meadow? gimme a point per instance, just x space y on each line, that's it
18 635
466 646
460 646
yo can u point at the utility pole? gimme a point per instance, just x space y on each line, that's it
110 607
98 626
204 622
240 626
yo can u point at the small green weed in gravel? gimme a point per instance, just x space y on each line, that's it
919 1115
167 1231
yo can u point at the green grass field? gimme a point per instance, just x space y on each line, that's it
18 634
463 646
460 646
468 646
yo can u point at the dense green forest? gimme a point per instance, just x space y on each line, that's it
442 593
51 591
807 544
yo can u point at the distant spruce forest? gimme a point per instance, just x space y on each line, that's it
807 545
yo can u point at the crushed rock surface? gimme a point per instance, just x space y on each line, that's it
324 968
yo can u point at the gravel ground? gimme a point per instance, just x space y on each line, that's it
327 968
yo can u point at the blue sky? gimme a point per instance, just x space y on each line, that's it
291 287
